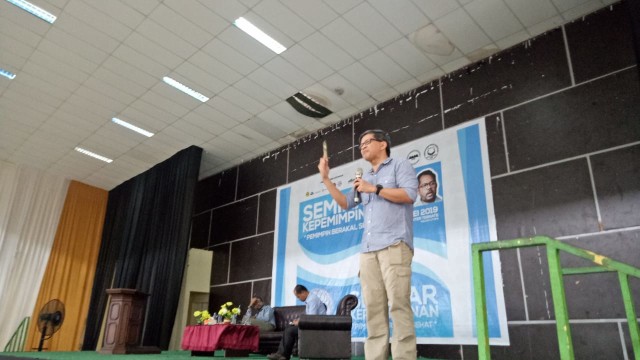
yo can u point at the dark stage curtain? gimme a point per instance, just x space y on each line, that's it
145 243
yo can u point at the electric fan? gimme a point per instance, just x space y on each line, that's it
50 319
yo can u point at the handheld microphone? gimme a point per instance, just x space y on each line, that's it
356 196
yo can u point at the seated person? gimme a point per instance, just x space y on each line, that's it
259 314
313 306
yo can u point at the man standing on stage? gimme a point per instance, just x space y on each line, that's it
387 192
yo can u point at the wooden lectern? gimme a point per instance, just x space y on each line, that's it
125 318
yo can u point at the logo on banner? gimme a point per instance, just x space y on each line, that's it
413 157
431 152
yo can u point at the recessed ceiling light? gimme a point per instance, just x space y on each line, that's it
132 127
7 74
93 155
266 40
34 10
185 89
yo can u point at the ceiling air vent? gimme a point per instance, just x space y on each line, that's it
308 106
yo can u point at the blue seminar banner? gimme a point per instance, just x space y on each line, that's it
318 243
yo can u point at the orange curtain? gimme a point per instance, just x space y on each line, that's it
71 267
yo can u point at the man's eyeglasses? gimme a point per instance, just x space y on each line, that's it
367 142
430 184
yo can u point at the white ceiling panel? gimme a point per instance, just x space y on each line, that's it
165 38
229 10
257 92
24 19
485 13
16 31
282 19
246 45
199 15
348 38
153 111
372 24
351 93
152 50
180 26
435 9
108 93
76 46
276 120
361 77
272 83
230 57
467 37
409 57
58 67
41 72
123 84
60 53
15 46
102 59
185 131
327 51
532 12
127 15
217 118
111 26
232 111
385 68
214 67
511 40
140 119
289 73
315 13
11 62
85 32
163 98
198 121
28 92
199 79
407 18
306 62
545 25
334 102
130 72
143 6
242 100
140 61
342 6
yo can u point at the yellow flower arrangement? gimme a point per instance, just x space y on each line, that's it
227 311
202 316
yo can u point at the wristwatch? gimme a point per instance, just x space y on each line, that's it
378 188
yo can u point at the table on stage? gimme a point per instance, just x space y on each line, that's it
236 340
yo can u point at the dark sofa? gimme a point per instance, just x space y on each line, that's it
270 340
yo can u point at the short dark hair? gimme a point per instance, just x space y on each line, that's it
258 297
379 135
299 289
428 172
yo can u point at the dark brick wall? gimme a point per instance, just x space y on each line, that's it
563 128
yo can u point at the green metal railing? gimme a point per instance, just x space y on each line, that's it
16 343
603 264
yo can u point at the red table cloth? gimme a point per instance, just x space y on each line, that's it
221 336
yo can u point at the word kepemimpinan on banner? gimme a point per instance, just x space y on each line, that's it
317 244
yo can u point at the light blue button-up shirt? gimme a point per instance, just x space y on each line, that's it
385 222
314 306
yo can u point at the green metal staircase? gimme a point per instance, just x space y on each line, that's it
553 246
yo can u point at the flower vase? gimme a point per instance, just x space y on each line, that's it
226 321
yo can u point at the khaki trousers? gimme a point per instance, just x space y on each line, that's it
385 276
